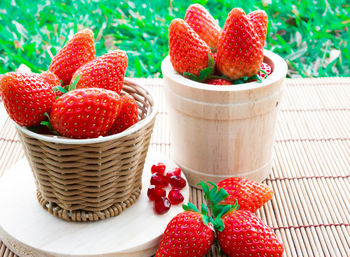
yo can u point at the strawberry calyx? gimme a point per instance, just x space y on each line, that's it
47 123
213 198
74 84
60 89
204 74
206 219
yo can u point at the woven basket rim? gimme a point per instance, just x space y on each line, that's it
64 140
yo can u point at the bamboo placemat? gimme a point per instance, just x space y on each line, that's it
310 210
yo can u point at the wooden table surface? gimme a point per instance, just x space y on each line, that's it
310 210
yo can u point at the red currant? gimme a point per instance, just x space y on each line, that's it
175 197
177 182
159 180
158 168
155 193
162 205
174 172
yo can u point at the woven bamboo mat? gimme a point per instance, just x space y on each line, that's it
310 210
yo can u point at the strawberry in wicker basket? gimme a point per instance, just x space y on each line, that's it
87 139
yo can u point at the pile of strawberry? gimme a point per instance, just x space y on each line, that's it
160 180
200 50
78 97
228 221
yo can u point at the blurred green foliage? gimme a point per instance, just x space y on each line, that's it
312 35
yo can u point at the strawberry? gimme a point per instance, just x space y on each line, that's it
106 71
259 20
53 80
218 82
265 70
251 195
244 234
240 52
128 115
78 51
27 97
85 113
201 21
186 236
189 54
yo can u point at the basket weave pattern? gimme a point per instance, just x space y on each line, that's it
88 182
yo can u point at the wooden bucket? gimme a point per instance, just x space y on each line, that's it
223 131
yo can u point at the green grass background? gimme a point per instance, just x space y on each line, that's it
311 35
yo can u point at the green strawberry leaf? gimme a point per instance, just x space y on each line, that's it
205 188
190 207
73 85
205 73
218 224
257 77
210 61
206 219
47 124
190 76
215 195
47 116
204 209
61 89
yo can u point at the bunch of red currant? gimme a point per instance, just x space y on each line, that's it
160 180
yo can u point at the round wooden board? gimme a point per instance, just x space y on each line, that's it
28 230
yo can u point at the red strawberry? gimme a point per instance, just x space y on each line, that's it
106 71
26 97
186 236
251 195
85 113
128 115
203 24
218 82
265 70
239 49
78 51
259 20
188 52
245 234
53 80
214 57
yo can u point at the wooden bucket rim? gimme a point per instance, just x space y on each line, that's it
279 72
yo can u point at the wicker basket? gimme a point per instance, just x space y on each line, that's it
91 179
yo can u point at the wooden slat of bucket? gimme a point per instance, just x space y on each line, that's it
310 175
